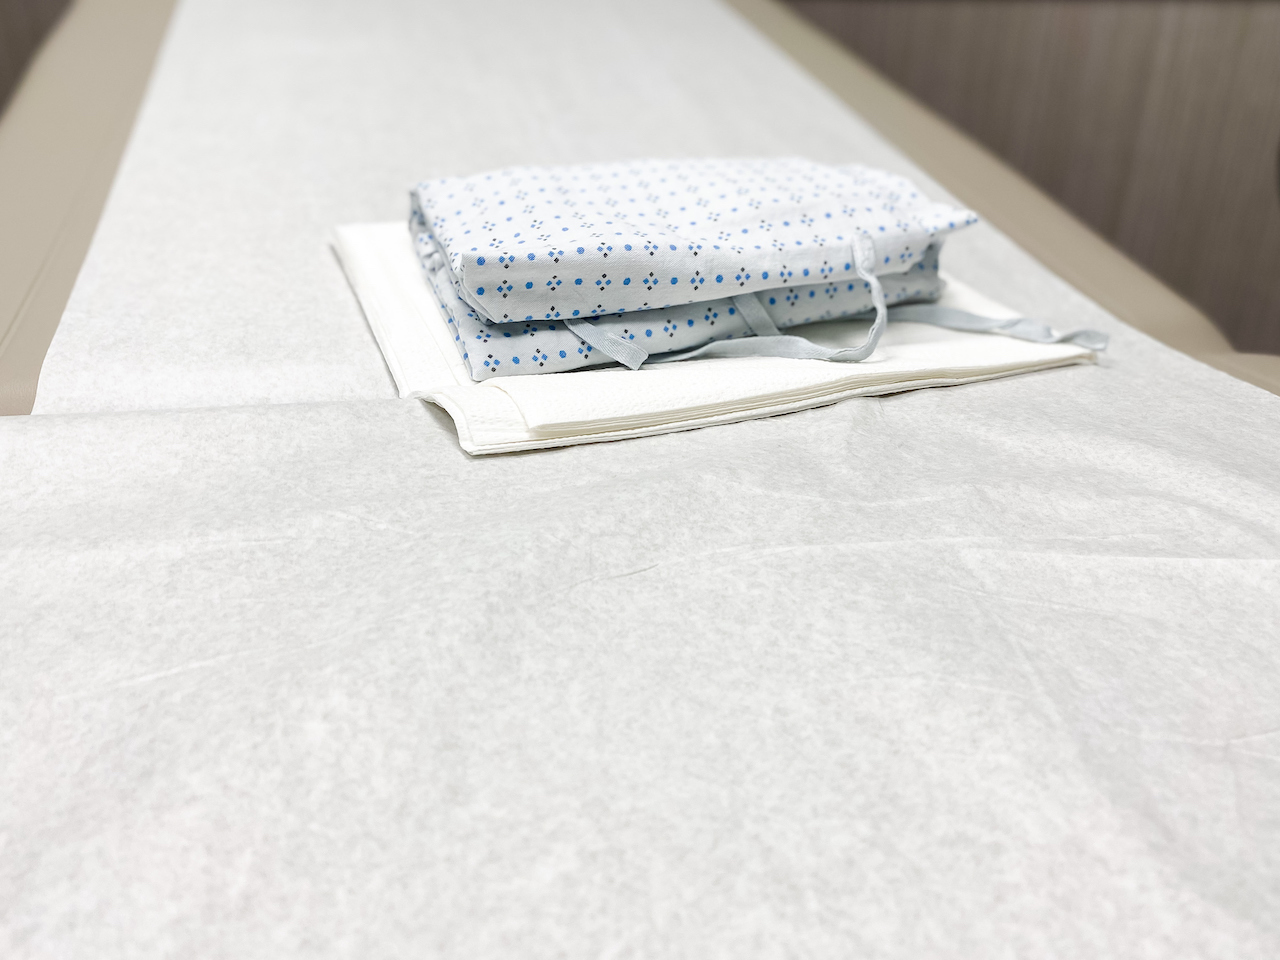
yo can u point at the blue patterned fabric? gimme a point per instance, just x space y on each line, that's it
652 253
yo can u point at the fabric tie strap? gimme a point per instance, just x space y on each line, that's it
769 341
798 348
615 348
755 315
1020 328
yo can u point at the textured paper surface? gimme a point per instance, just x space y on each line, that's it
984 671
975 669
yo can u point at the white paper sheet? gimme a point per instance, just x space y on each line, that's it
986 671
982 666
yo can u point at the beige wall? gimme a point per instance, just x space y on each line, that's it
23 24
1158 123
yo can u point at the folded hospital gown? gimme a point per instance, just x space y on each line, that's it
541 270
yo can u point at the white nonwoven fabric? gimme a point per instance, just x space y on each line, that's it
522 413
989 669
984 671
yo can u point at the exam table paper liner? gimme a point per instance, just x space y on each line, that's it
525 413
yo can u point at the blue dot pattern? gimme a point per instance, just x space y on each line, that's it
658 248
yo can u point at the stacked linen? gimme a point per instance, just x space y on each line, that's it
589 270
508 413
541 270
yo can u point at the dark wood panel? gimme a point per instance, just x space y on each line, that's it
1157 123
23 24
1202 203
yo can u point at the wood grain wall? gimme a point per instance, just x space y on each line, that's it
1158 123
23 24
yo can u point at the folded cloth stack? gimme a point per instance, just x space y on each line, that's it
503 414
541 270
571 269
